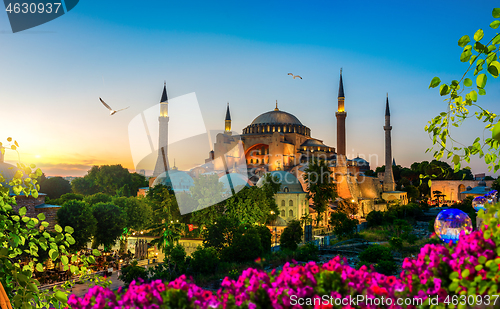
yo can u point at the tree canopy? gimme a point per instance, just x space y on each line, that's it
78 215
110 223
109 179
54 187
321 189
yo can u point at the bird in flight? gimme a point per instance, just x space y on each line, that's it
111 111
294 75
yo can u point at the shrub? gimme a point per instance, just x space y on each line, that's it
246 245
132 272
343 226
291 236
381 258
375 218
204 260
265 238
308 252
396 243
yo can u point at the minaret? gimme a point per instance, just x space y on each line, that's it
341 115
389 184
228 121
162 161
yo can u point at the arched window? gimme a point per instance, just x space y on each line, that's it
251 161
290 203
290 213
257 161
283 203
285 189
282 214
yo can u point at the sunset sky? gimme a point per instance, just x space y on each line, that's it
51 76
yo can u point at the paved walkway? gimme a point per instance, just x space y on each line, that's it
81 289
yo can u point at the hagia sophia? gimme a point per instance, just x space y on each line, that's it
277 142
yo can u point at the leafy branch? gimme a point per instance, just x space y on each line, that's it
461 96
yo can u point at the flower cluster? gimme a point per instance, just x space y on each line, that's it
439 270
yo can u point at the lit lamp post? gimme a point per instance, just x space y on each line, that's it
275 228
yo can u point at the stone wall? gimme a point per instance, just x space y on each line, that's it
452 188
50 215
190 245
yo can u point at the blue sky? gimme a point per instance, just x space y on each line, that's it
236 52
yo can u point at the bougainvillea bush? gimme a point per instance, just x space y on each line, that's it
462 275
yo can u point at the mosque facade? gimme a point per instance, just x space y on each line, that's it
278 142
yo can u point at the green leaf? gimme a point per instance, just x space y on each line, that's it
41 216
69 229
465 273
478 35
463 41
73 269
70 239
45 223
444 90
482 92
61 296
64 260
58 228
496 13
91 259
468 82
456 159
494 68
481 81
435 82
22 211
494 24
39 267
53 254
96 252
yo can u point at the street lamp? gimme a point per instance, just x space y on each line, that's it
275 230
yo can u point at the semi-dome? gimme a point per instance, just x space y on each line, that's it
276 117
289 183
175 179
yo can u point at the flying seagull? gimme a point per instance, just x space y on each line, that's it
294 75
111 111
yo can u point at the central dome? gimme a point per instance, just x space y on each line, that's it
276 117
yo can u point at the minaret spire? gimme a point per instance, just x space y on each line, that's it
276 108
162 161
227 127
341 86
341 115
389 184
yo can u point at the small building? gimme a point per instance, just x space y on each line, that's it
291 198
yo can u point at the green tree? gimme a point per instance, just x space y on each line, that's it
246 245
109 179
84 186
219 234
78 215
110 223
291 236
461 102
98 198
165 215
251 205
342 225
321 189
137 212
54 187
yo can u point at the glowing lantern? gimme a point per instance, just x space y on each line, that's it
450 223
479 202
